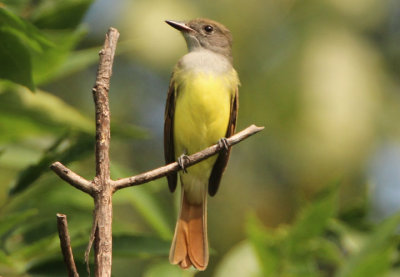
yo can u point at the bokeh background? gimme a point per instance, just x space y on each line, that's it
321 76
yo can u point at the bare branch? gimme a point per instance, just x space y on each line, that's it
103 199
72 178
100 96
65 243
193 159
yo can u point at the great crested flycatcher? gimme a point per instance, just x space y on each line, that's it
201 110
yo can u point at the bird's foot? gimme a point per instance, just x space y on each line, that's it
183 160
223 143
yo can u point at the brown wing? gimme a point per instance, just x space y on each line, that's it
223 157
169 151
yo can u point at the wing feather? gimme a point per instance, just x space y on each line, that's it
169 150
223 157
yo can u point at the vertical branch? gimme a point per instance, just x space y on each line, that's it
103 199
65 243
100 96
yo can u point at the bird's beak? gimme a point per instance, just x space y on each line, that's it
181 26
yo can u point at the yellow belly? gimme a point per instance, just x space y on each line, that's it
202 112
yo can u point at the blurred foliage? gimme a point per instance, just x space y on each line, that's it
322 77
320 243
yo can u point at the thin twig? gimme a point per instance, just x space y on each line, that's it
72 178
65 243
193 159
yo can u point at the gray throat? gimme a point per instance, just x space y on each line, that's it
203 60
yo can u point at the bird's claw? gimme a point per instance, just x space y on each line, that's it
223 143
182 161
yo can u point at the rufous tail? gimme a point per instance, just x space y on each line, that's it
190 244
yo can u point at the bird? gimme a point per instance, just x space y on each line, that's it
201 110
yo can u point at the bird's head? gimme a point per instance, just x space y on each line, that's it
202 33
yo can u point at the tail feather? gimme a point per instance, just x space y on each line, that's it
190 244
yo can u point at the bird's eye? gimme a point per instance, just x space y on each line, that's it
208 28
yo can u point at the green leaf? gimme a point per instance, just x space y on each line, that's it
4 260
24 30
76 61
266 245
24 114
79 146
81 59
18 37
38 251
374 259
351 239
16 157
7 265
48 55
15 60
30 174
16 6
313 219
294 250
139 246
47 63
41 113
66 14
327 252
10 221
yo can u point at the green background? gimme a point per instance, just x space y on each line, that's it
312 195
